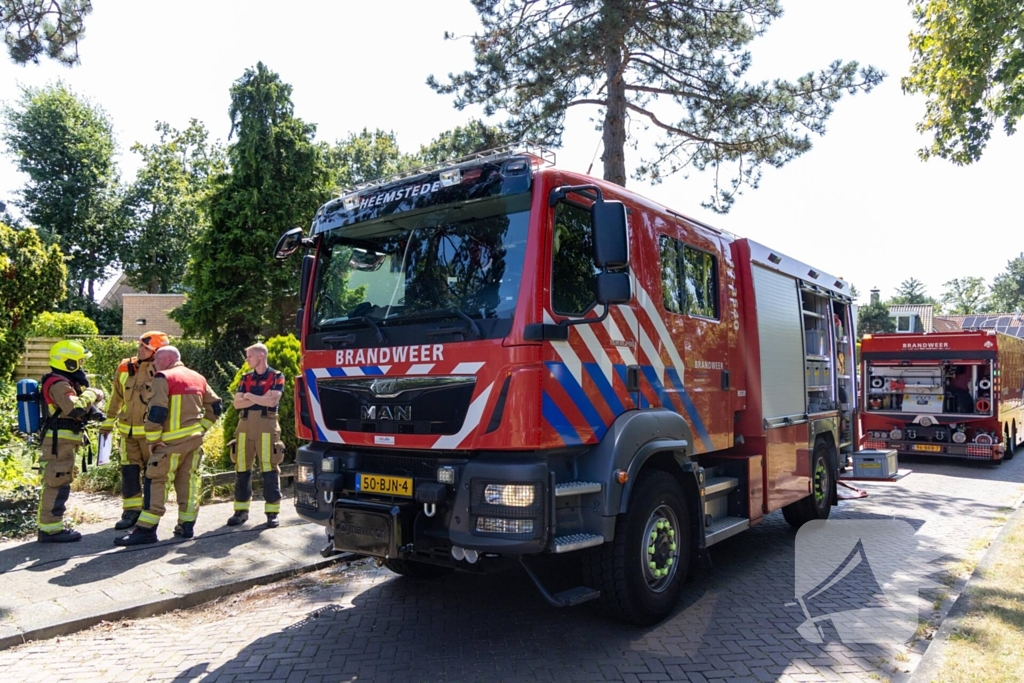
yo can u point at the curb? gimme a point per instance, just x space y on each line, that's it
186 601
933 657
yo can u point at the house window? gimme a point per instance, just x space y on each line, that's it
904 323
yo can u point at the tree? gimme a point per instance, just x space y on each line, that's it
36 27
161 211
462 141
1007 294
968 60
964 296
65 145
874 318
366 156
536 59
278 178
911 291
32 280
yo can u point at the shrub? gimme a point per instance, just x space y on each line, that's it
19 489
284 354
62 325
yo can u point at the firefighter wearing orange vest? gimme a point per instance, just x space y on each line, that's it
133 387
258 436
181 410
70 403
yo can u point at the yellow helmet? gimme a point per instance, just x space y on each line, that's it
68 355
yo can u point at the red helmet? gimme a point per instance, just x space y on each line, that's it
154 340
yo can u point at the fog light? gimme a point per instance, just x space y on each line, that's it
304 474
896 434
496 525
446 475
305 498
327 465
959 437
511 495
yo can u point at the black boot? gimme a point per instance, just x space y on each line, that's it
185 529
272 521
139 536
62 536
240 517
128 519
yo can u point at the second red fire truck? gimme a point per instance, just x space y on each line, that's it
504 361
955 394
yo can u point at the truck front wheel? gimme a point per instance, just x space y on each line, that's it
818 505
641 572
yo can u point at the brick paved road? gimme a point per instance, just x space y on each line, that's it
364 624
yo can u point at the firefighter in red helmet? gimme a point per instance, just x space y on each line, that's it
133 388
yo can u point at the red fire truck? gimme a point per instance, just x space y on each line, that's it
956 394
505 362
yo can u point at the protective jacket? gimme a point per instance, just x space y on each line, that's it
132 392
182 405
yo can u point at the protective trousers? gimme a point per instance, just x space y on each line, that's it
58 473
134 449
175 464
258 437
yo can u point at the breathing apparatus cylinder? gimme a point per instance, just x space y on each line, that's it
28 406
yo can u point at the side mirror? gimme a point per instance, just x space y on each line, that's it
612 288
611 245
289 243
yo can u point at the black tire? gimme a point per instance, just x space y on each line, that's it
417 570
631 588
819 504
1011 445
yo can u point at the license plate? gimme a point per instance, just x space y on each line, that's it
927 447
384 484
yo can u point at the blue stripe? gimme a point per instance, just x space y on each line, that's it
691 409
371 370
312 389
558 421
579 397
606 389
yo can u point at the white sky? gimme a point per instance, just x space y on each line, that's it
859 205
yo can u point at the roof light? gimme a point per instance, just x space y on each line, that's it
775 259
452 177
813 273
351 202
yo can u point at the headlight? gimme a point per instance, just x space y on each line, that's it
510 495
304 474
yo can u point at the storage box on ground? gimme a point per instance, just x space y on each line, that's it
875 464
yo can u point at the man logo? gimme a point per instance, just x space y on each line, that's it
384 387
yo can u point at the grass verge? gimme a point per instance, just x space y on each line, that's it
988 645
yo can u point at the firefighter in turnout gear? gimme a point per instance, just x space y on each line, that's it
70 404
181 409
258 436
133 386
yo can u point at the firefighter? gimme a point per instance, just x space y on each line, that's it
70 404
133 386
258 437
181 410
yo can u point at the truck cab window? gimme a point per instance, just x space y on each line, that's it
572 261
689 279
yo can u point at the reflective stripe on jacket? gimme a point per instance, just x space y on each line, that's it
185 401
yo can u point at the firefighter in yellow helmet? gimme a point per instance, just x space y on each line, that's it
133 387
181 410
69 404
258 437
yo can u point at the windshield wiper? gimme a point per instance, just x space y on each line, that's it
347 338
440 313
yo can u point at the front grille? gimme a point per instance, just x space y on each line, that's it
403 405
394 464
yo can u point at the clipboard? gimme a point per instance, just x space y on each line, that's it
106 443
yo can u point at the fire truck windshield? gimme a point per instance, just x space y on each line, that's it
453 263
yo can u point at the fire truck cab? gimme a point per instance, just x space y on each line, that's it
505 362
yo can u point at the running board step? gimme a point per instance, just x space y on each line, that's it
723 528
567 544
574 596
715 485
576 488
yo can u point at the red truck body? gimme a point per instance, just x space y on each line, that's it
955 394
477 403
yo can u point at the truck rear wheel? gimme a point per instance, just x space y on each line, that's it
1011 444
641 572
819 504
417 570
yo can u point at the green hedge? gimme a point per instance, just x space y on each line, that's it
61 325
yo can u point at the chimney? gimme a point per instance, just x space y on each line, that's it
874 296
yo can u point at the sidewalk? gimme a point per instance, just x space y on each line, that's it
55 589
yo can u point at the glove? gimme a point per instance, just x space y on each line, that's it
98 393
